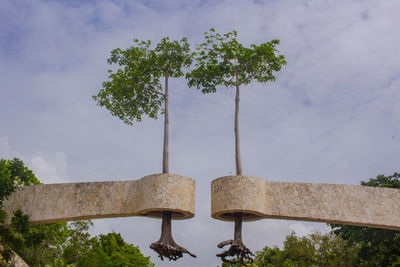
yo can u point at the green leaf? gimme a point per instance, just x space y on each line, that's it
135 90
223 61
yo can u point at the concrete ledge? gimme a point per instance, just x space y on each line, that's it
330 203
148 196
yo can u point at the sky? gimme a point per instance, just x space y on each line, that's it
331 116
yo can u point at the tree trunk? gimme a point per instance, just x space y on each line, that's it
166 232
237 138
166 246
238 228
166 128
237 249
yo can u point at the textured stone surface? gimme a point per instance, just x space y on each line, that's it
147 196
16 261
331 203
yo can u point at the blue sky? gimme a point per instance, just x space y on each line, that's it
332 116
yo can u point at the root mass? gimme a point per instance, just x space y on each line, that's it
166 247
238 251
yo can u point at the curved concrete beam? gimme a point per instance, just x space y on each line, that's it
330 203
148 196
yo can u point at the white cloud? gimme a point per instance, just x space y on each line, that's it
303 229
49 168
331 116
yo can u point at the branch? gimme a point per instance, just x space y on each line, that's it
251 77
220 80
223 56
171 56
241 68
155 69
154 91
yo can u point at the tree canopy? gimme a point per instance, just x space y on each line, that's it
112 250
222 60
312 250
135 89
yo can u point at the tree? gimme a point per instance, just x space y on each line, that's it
111 250
223 61
378 247
43 243
313 250
13 174
78 241
238 264
135 89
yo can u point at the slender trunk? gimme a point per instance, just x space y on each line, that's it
166 233
166 128
238 228
166 246
237 138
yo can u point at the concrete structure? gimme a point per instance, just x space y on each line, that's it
148 196
331 203
256 198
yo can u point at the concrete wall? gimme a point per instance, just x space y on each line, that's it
148 196
256 198
331 203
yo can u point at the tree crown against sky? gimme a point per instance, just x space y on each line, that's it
135 88
222 60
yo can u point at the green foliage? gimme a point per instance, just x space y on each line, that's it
222 60
392 181
378 247
20 222
59 263
43 243
111 250
313 250
13 174
224 264
63 245
134 89
78 241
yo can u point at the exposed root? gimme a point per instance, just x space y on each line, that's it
166 246
168 251
238 251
